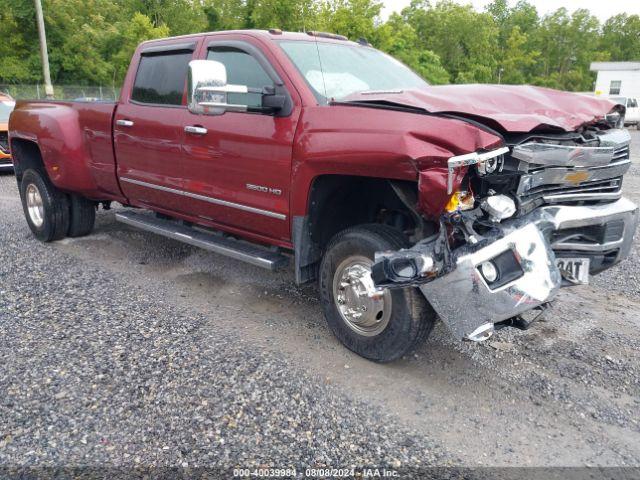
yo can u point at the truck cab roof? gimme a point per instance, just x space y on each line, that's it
272 34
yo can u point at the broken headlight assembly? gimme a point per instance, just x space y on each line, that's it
487 162
615 118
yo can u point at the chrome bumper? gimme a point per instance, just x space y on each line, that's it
464 301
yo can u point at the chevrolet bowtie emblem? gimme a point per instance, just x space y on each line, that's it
577 177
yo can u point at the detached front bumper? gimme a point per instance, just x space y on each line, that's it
468 305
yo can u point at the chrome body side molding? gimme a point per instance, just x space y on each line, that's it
215 201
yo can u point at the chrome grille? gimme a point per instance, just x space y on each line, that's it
602 189
570 183
621 153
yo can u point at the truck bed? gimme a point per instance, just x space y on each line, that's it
76 143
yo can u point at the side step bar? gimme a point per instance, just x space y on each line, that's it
229 247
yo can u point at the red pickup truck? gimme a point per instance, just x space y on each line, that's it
406 202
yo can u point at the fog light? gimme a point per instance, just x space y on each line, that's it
489 271
498 207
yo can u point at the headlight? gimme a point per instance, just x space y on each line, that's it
475 158
488 166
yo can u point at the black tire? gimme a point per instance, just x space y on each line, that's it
411 318
54 223
83 216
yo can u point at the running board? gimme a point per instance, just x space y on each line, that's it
226 246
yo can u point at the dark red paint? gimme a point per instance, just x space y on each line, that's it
512 108
85 151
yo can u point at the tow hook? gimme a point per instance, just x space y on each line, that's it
521 322
482 333
525 320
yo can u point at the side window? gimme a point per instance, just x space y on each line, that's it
614 87
242 69
161 78
633 103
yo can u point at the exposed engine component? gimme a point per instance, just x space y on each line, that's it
498 207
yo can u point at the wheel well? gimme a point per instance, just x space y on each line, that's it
337 202
26 155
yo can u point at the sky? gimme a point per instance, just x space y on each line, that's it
603 9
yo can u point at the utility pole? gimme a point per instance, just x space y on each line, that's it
48 88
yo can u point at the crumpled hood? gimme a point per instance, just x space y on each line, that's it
510 108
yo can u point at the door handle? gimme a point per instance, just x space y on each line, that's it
124 123
195 130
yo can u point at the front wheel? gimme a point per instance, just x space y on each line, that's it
45 207
380 326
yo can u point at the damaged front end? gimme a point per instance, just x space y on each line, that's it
504 253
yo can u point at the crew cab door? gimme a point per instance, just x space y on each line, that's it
237 165
149 126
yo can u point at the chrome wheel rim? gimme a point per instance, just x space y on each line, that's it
34 205
363 308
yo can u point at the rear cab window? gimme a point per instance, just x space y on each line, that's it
162 74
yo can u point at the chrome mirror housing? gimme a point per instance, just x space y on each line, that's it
208 89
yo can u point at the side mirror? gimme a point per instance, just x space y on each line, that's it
208 89
272 101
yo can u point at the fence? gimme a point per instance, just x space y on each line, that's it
62 92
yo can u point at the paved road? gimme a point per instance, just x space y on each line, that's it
124 348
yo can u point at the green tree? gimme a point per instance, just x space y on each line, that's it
351 18
126 38
180 16
17 62
621 37
567 44
292 15
465 40
516 52
91 41
400 40
516 59
228 14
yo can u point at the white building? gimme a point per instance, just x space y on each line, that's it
617 78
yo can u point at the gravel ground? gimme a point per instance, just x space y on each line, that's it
125 349
95 372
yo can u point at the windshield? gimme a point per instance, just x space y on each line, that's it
6 107
335 71
621 100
